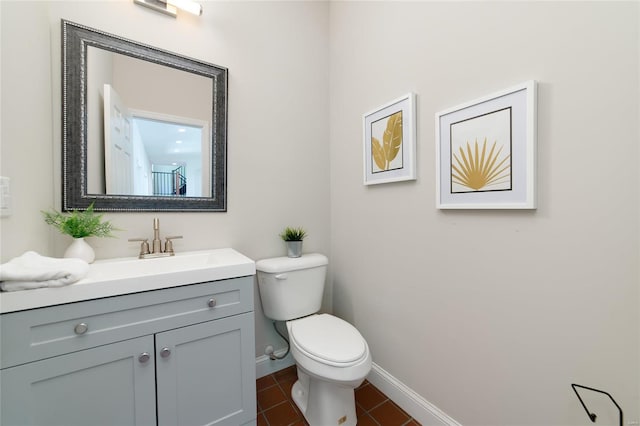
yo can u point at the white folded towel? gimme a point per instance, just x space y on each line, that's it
32 270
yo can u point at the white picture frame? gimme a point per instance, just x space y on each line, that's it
389 142
486 151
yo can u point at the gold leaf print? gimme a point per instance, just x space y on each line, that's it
392 137
476 170
383 154
378 153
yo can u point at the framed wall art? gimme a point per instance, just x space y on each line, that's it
390 142
486 152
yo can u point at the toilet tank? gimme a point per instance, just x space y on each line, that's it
291 287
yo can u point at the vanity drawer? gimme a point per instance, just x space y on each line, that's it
41 333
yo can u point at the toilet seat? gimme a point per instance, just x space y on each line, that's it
328 340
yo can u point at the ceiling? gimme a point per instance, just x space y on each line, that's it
167 142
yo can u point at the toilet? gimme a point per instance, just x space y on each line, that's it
331 355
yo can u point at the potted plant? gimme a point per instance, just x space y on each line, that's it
293 238
79 225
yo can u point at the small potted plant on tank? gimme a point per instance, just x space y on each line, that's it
293 237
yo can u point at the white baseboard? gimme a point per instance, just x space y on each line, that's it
266 366
419 408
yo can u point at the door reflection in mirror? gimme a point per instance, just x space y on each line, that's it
140 126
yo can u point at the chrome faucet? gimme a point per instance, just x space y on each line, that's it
156 244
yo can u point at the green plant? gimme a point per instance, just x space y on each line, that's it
80 224
293 234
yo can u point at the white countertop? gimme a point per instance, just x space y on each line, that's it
114 277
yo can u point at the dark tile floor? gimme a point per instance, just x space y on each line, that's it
276 408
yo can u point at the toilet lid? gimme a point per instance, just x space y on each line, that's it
328 338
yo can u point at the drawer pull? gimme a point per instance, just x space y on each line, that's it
81 328
165 352
212 302
144 357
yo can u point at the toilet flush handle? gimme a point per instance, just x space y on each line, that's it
281 277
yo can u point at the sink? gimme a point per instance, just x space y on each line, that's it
210 265
134 267
112 277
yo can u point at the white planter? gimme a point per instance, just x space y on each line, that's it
79 249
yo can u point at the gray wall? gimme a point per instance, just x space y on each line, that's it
278 113
491 315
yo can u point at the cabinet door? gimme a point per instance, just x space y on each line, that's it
206 373
107 385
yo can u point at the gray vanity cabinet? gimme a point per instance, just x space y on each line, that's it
99 386
199 381
177 356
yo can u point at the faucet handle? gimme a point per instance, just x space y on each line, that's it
144 245
168 244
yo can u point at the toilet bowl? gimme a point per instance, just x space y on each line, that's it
332 360
331 355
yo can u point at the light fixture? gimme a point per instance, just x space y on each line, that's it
170 7
187 5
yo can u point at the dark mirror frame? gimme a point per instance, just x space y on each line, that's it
76 39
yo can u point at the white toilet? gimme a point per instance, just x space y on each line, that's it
331 355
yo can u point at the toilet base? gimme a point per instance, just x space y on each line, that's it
324 403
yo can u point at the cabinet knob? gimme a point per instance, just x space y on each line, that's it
212 302
144 357
81 328
165 352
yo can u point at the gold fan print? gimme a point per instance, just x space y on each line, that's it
477 169
384 153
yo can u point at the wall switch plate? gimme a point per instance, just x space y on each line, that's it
5 197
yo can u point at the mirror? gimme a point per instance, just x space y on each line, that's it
143 129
